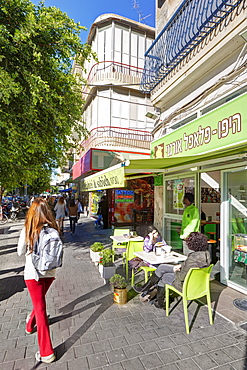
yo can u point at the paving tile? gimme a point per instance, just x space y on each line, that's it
117 366
116 355
108 324
58 366
135 364
220 357
83 350
88 337
168 367
205 362
226 367
226 339
135 328
164 342
150 346
184 351
168 356
104 334
235 352
239 364
7 365
25 364
149 334
118 342
212 342
80 363
187 365
199 347
180 339
119 331
101 346
96 360
134 338
133 351
16 354
150 361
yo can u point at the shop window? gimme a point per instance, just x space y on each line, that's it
175 190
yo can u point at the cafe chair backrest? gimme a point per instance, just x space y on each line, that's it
118 232
116 245
133 247
196 285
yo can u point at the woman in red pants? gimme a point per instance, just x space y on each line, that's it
37 282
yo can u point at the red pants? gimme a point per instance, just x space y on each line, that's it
37 291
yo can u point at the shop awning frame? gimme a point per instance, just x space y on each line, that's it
151 167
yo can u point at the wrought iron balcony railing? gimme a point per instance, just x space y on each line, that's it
193 21
109 136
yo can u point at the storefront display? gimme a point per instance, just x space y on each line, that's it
134 204
95 198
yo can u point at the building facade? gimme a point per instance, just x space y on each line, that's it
115 112
195 73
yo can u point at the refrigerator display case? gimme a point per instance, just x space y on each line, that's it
240 248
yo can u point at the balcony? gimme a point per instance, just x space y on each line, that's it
190 25
110 72
109 137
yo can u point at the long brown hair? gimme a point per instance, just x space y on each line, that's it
38 215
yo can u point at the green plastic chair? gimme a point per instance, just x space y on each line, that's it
132 247
196 285
147 270
115 245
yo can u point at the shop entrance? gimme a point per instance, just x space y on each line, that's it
235 213
210 210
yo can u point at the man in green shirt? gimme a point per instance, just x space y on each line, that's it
190 221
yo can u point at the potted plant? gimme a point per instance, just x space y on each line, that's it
95 250
106 267
119 285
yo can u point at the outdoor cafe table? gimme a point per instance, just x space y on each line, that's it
150 257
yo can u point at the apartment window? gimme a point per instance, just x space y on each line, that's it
161 3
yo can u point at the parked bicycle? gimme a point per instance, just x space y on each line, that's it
3 216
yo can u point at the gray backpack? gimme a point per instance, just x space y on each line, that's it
48 250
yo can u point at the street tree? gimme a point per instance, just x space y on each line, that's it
40 100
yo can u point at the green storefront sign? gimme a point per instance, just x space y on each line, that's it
107 180
217 130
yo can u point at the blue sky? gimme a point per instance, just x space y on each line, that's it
86 12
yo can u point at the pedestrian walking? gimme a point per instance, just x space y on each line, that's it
73 208
39 217
60 208
103 210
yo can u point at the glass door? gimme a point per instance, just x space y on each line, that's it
174 208
234 243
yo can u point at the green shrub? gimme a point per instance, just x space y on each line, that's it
106 257
118 281
97 247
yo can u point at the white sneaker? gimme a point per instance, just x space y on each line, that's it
46 359
27 319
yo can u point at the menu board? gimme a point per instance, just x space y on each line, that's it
124 196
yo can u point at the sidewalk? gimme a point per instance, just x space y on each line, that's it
89 331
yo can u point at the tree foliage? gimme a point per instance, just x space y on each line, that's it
40 100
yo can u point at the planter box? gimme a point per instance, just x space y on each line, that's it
107 272
95 256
